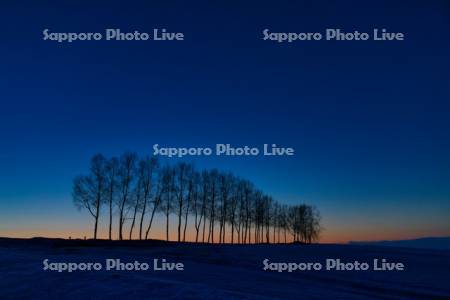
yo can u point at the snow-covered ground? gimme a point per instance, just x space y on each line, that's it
219 272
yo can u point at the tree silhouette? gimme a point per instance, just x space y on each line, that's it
180 171
126 176
147 168
138 190
88 191
112 168
156 202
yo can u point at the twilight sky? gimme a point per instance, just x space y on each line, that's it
370 121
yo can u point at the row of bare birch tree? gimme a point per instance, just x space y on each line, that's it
134 191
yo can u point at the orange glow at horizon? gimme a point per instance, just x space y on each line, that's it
328 236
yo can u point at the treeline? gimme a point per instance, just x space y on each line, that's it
217 206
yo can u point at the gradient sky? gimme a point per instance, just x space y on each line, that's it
370 121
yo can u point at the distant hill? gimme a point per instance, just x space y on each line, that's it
441 243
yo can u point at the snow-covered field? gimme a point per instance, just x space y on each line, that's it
218 272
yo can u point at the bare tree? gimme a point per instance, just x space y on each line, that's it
241 210
168 191
156 201
136 199
233 206
181 170
191 186
284 221
248 189
268 202
312 226
205 199
197 205
274 220
213 175
112 167
225 182
88 191
258 219
126 176
147 168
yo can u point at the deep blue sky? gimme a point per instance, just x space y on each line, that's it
370 121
